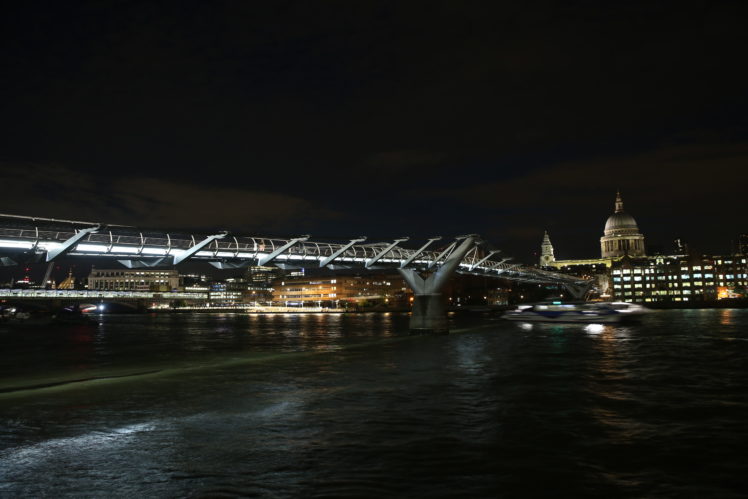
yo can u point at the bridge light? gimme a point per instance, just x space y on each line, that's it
101 307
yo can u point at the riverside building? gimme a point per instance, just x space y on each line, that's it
238 291
133 280
336 291
681 279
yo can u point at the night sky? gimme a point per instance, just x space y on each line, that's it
385 118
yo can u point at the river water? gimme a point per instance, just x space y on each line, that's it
226 405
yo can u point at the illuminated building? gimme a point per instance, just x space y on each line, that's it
546 251
68 283
596 268
387 290
679 278
133 280
621 235
235 291
263 276
547 258
227 292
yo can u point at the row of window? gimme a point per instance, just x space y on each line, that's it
97 273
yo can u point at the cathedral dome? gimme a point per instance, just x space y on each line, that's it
622 236
620 222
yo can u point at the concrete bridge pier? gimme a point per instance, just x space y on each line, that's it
429 314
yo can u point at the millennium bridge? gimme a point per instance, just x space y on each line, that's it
425 268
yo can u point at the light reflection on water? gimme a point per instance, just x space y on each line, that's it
594 328
353 406
726 317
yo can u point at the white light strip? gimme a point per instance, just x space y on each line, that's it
15 244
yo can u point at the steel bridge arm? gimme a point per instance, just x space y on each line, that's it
477 264
188 253
442 254
70 243
386 250
327 261
275 254
419 251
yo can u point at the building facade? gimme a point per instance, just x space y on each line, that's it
676 279
335 291
134 280
238 291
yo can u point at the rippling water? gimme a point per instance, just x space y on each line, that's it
352 406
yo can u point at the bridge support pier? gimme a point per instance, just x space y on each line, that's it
429 314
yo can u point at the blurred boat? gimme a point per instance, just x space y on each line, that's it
19 316
583 312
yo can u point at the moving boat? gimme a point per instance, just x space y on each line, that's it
15 316
584 312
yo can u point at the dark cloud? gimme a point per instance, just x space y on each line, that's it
384 118
152 202
399 160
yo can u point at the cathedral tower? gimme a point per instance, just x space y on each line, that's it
546 251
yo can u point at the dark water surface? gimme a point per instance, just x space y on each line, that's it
352 406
